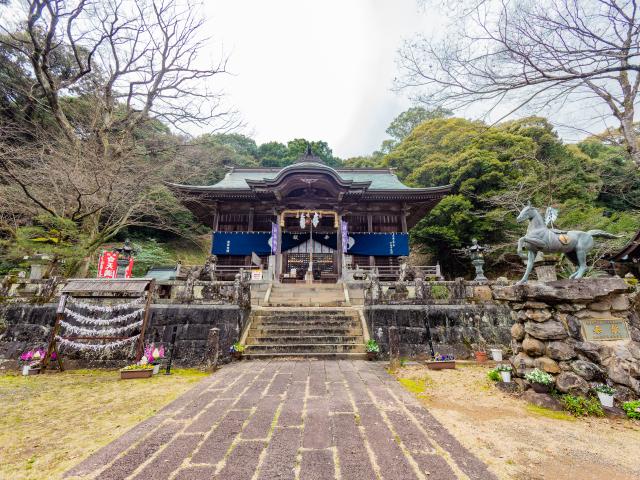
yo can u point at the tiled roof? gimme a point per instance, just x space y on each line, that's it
381 179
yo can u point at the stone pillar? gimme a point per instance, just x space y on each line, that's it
394 348
213 349
582 332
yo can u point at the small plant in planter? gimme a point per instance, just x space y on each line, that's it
142 369
505 372
154 356
372 348
32 359
441 362
236 350
605 394
540 381
494 375
480 353
496 354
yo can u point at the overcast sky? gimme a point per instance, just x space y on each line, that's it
318 69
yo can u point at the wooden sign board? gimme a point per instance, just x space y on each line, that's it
597 329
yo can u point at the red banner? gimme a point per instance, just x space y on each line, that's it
108 265
129 270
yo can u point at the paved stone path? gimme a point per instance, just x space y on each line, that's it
306 420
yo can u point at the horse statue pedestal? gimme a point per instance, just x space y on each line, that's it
545 267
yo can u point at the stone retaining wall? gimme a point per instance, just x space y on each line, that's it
550 333
454 328
24 326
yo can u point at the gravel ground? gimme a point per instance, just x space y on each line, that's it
520 442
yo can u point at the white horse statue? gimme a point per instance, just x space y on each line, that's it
540 238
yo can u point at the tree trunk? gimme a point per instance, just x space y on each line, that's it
630 137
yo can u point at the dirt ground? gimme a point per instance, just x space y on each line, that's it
520 441
50 422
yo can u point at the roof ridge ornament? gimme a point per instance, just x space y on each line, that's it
309 157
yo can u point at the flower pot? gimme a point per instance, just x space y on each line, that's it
605 399
236 355
447 364
371 356
130 374
481 357
506 377
156 368
540 387
496 354
29 370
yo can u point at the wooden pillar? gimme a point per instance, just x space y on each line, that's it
216 217
339 253
403 217
279 263
251 217
372 259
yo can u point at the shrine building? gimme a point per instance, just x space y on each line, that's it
309 221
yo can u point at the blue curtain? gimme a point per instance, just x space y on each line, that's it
241 243
381 244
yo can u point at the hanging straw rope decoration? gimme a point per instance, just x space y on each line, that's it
103 322
105 308
100 327
89 332
93 346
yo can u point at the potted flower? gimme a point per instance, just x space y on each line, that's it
142 369
605 394
236 350
540 381
154 356
505 372
441 362
496 354
31 361
372 349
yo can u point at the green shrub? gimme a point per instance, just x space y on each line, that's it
632 409
372 346
440 292
494 376
582 406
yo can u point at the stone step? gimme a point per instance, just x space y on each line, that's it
327 323
309 355
305 348
307 330
306 339
301 303
306 318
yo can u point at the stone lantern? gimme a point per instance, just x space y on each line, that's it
476 253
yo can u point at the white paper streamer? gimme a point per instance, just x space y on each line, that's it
106 308
103 322
95 347
89 332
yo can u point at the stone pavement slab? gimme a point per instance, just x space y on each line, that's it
298 420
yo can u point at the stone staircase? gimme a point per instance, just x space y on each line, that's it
305 321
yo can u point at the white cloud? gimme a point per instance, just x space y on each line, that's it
322 70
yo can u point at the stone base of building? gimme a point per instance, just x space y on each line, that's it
583 332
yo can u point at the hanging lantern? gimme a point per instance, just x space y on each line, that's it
316 219
303 220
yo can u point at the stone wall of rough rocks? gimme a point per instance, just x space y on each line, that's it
24 326
453 328
547 333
